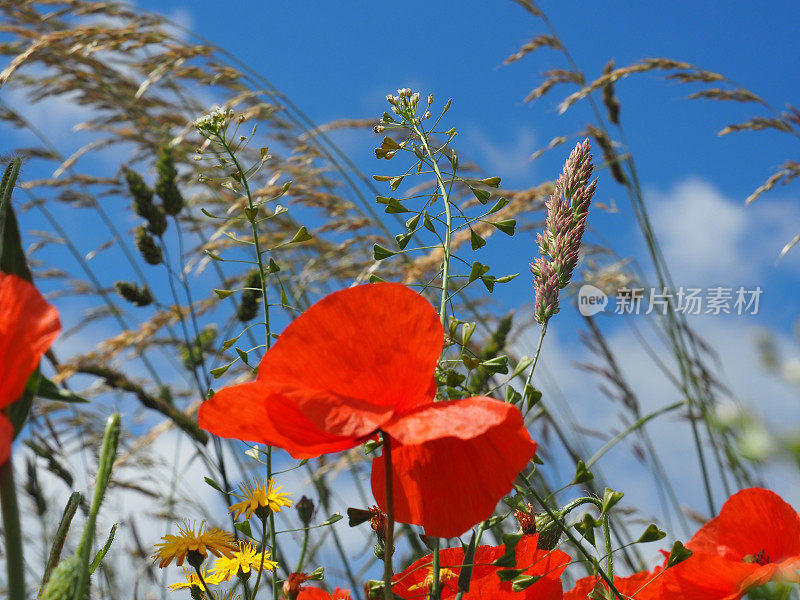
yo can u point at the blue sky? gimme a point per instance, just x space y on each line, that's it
338 60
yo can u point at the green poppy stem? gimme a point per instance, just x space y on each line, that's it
15 563
389 492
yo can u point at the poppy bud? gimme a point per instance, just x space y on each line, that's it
292 585
305 510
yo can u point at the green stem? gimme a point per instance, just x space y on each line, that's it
15 563
263 552
252 217
389 538
609 548
205 585
448 222
302 558
575 542
536 356
436 568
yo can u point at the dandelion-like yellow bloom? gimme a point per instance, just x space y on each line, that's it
192 580
247 558
259 494
177 547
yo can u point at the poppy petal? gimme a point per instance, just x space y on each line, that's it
28 326
452 462
752 521
6 436
257 413
712 577
413 583
373 347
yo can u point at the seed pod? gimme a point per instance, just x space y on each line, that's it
147 247
166 188
133 293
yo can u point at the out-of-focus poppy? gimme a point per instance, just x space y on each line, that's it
28 326
644 585
414 583
315 593
361 361
754 539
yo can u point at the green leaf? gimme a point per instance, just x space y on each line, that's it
482 195
395 182
48 390
102 552
427 223
411 224
393 205
512 395
492 182
376 279
522 366
465 576
499 205
678 554
213 484
586 528
242 356
302 235
390 143
509 558
532 396
509 574
498 364
477 270
273 266
228 343
333 519
223 293
467 329
475 240
244 527
651 534
380 253
317 574
403 239
582 474
219 371
524 581
507 226
12 254
381 177
610 498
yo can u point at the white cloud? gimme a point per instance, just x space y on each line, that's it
709 239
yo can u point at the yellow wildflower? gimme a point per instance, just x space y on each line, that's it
259 495
192 580
194 545
245 559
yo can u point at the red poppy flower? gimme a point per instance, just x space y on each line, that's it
644 585
28 325
315 593
754 539
362 360
414 583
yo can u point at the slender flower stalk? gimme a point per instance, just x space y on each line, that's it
389 536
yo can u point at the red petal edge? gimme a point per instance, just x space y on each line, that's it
452 462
